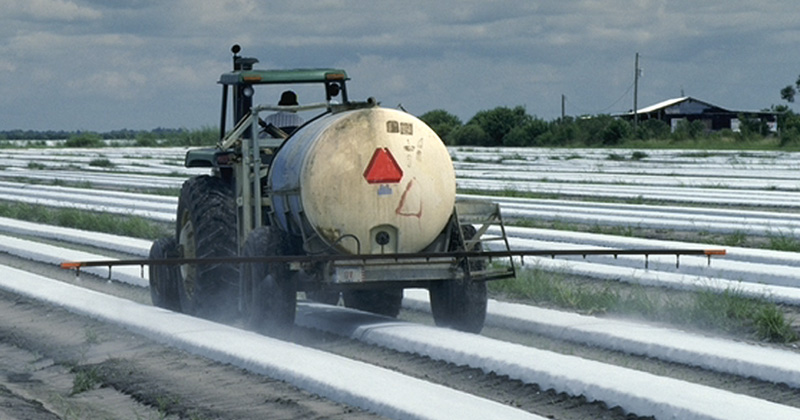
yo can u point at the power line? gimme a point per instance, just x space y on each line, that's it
617 101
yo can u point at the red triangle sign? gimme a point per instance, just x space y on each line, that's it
382 168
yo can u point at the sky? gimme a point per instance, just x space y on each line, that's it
104 65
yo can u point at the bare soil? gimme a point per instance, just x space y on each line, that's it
56 365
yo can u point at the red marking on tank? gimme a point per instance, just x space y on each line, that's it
382 168
400 210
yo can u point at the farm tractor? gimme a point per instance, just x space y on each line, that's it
354 205
358 203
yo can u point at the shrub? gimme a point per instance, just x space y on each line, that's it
102 163
86 139
146 139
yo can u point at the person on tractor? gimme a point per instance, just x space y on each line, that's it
288 121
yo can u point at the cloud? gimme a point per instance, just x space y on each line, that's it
48 10
163 59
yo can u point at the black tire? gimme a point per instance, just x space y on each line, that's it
206 228
460 304
269 293
382 302
164 278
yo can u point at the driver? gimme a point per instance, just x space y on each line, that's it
288 121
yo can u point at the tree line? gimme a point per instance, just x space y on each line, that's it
123 134
514 127
145 138
501 126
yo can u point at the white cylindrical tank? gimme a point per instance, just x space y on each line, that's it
372 180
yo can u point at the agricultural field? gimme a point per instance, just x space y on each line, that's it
627 336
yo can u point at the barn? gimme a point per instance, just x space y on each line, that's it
715 118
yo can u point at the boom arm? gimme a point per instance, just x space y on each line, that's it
452 257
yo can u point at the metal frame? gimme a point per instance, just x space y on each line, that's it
448 257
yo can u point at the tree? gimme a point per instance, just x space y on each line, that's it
472 135
442 122
615 131
498 122
789 91
652 128
527 135
686 130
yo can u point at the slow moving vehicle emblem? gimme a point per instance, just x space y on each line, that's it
383 168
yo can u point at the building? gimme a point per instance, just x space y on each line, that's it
673 111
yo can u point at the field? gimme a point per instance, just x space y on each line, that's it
744 202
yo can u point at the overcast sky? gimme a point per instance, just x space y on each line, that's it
140 64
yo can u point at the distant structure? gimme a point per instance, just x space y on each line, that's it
715 118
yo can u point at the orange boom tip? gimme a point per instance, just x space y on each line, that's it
70 264
715 252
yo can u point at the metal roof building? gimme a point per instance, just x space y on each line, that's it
715 118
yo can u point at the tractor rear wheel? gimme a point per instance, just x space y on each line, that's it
382 302
164 278
269 292
460 304
206 228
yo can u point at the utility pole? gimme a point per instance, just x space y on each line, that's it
636 93
563 98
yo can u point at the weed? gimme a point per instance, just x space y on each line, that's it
36 165
101 222
515 156
735 239
701 154
615 157
616 230
783 242
102 163
164 403
637 155
639 199
772 325
85 380
729 311
91 336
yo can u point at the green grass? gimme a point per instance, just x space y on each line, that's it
734 239
133 226
784 242
85 379
730 311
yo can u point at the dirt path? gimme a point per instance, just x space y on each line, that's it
56 365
